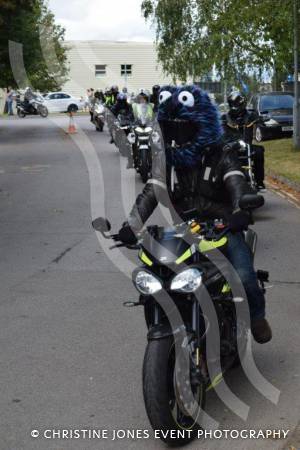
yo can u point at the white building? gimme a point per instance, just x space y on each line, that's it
98 64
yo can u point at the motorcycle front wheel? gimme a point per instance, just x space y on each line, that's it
166 407
43 111
21 113
145 164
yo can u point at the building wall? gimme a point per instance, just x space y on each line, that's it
84 55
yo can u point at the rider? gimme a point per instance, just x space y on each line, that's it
142 99
109 98
238 124
122 108
154 97
141 105
209 178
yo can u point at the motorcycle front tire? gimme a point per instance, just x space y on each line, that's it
144 164
43 111
159 394
21 113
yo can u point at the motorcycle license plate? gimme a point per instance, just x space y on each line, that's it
143 146
289 128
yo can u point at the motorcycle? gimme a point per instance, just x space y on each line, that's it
141 139
99 116
175 276
120 131
246 154
32 107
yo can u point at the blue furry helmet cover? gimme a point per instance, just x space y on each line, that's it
192 104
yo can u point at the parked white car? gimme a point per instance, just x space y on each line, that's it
62 102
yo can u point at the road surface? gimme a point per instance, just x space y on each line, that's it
71 355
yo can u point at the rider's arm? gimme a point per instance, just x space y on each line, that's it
234 178
147 201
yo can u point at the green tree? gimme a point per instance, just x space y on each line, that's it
237 37
31 23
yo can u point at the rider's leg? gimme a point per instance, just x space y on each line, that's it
240 256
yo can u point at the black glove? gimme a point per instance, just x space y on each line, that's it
239 221
126 235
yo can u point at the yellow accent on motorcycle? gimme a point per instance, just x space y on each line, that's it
195 227
145 259
215 382
206 246
226 288
184 257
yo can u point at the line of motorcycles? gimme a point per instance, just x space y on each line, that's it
134 139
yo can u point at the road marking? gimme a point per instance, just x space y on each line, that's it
35 168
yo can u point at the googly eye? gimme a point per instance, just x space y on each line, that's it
186 98
164 95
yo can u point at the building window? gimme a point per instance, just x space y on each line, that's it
126 69
100 70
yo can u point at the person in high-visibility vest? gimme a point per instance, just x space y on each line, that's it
148 114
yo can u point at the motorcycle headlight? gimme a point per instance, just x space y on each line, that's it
187 281
131 138
139 130
146 283
242 144
148 130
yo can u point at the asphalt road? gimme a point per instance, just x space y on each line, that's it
71 355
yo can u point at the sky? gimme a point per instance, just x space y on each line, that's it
119 20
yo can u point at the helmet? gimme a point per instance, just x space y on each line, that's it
121 96
237 103
142 96
155 88
114 88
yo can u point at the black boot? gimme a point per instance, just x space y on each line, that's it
261 331
261 185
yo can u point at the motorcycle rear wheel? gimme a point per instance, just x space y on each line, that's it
162 398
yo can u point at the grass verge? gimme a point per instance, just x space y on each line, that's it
282 160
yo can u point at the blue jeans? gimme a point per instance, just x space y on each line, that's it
10 107
241 258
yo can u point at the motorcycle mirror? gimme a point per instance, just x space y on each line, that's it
101 224
251 201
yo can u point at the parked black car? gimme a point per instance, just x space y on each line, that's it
276 111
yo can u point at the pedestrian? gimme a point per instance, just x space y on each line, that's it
92 101
87 99
5 111
10 99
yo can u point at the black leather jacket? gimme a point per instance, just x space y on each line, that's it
240 127
214 188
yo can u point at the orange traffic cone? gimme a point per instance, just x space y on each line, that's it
71 128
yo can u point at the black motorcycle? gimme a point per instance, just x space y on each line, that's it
173 282
141 139
34 107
